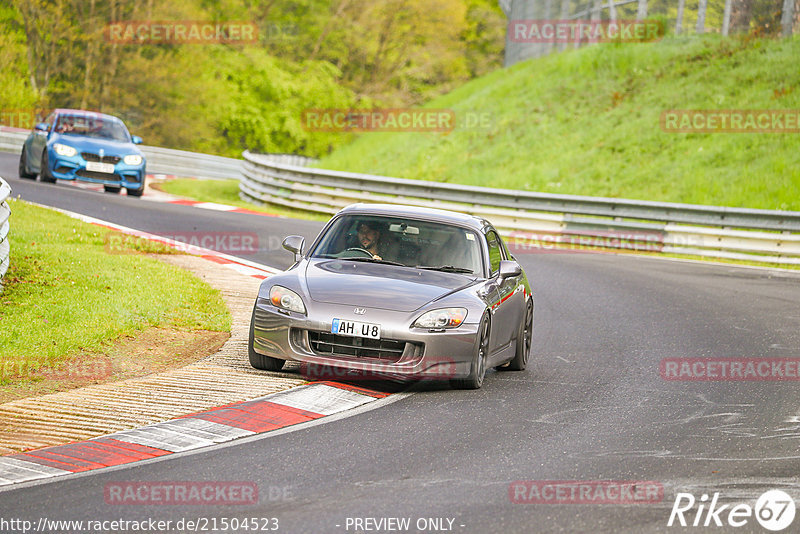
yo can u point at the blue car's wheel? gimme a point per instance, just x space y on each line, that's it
112 188
23 166
136 192
44 171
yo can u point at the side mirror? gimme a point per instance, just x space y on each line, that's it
42 127
294 243
508 269
136 140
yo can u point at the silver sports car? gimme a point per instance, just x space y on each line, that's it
397 291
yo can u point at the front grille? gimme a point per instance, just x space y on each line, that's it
98 175
89 156
327 344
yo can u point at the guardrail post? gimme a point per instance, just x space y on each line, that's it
5 227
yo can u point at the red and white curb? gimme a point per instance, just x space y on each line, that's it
168 198
242 266
208 206
154 195
195 431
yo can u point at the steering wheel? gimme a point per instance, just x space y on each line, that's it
359 249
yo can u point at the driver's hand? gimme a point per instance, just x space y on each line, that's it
376 257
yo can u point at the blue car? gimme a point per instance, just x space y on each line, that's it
82 145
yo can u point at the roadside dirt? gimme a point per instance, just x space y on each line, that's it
153 350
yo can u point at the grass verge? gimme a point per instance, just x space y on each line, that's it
587 122
67 294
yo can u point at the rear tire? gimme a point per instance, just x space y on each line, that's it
44 170
259 361
23 166
112 188
524 338
478 367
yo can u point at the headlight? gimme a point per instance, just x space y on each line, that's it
132 159
280 297
444 318
64 150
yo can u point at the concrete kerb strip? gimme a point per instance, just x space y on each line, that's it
302 404
144 418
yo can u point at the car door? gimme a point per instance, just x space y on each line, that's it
38 143
505 307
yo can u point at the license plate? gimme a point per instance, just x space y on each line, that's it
96 166
356 329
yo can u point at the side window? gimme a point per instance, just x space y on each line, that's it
495 250
508 254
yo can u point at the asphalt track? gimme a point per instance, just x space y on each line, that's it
591 406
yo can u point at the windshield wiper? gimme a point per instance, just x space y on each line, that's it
446 269
373 260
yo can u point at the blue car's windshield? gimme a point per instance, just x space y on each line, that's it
92 126
409 242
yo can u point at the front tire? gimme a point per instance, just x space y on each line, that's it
44 170
135 192
478 367
112 188
23 166
259 361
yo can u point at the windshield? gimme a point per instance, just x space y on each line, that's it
92 126
407 242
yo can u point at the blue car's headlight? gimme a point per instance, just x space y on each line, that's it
132 159
64 150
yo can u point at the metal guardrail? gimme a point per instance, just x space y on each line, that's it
194 164
542 222
535 222
166 160
11 139
5 228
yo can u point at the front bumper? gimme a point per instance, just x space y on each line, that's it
74 168
426 355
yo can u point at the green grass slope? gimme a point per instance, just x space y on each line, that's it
587 122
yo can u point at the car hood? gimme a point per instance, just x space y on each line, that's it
373 285
93 144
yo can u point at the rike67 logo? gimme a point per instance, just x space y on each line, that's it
774 510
